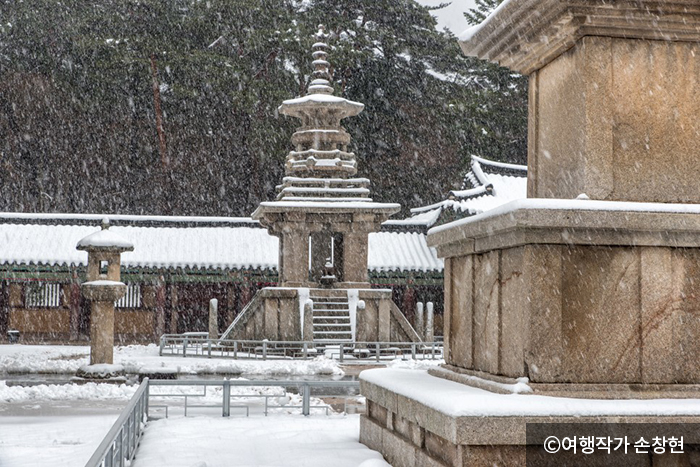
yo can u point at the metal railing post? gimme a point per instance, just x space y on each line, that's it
162 344
306 350
264 350
377 348
227 399
184 348
209 348
235 350
306 400
342 351
413 350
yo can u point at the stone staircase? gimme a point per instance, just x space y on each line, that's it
331 319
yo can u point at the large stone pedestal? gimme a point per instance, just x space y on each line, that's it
584 299
415 419
584 292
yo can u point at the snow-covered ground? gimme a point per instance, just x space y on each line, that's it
62 424
57 359
60 436
273 441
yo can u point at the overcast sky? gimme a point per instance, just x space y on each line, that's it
451 16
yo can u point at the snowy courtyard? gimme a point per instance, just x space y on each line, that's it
62 424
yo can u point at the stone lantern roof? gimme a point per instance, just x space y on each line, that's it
105 240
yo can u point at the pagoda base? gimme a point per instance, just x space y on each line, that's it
505 385
416 419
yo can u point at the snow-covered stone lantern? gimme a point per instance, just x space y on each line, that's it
102 288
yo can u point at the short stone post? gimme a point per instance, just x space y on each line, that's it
419 320
429 323
102 289
213 319
308 321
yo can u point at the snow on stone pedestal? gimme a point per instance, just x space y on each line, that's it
589 292
102 288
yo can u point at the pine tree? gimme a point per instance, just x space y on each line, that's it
483 9
77 113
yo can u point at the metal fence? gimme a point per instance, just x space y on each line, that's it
185 345
165 401
119 446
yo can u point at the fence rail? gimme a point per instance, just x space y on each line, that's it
119 446
190 345
305 389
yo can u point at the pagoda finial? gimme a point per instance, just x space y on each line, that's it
321 83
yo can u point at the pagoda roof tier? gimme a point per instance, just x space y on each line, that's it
365 206
312 103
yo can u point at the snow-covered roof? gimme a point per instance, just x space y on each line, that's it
213 245
487 185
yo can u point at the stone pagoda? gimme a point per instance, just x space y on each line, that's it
579 304
323 216
322 209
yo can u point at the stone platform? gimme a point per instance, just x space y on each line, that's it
415 419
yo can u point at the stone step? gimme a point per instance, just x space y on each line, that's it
327 312
333 333
333 302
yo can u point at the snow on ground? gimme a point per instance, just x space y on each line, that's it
65 440
57 359
271 441
65 392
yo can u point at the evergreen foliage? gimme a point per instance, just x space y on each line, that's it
78 119
483 9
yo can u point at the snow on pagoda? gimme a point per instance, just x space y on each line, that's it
323 213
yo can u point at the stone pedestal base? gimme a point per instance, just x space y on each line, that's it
415 419
100 373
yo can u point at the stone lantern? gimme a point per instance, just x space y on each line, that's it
103 287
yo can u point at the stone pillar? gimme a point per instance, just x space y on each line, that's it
429 337
213 319
355 257
308 323
101 332
295 257
420 326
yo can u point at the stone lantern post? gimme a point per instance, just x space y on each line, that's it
103 288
